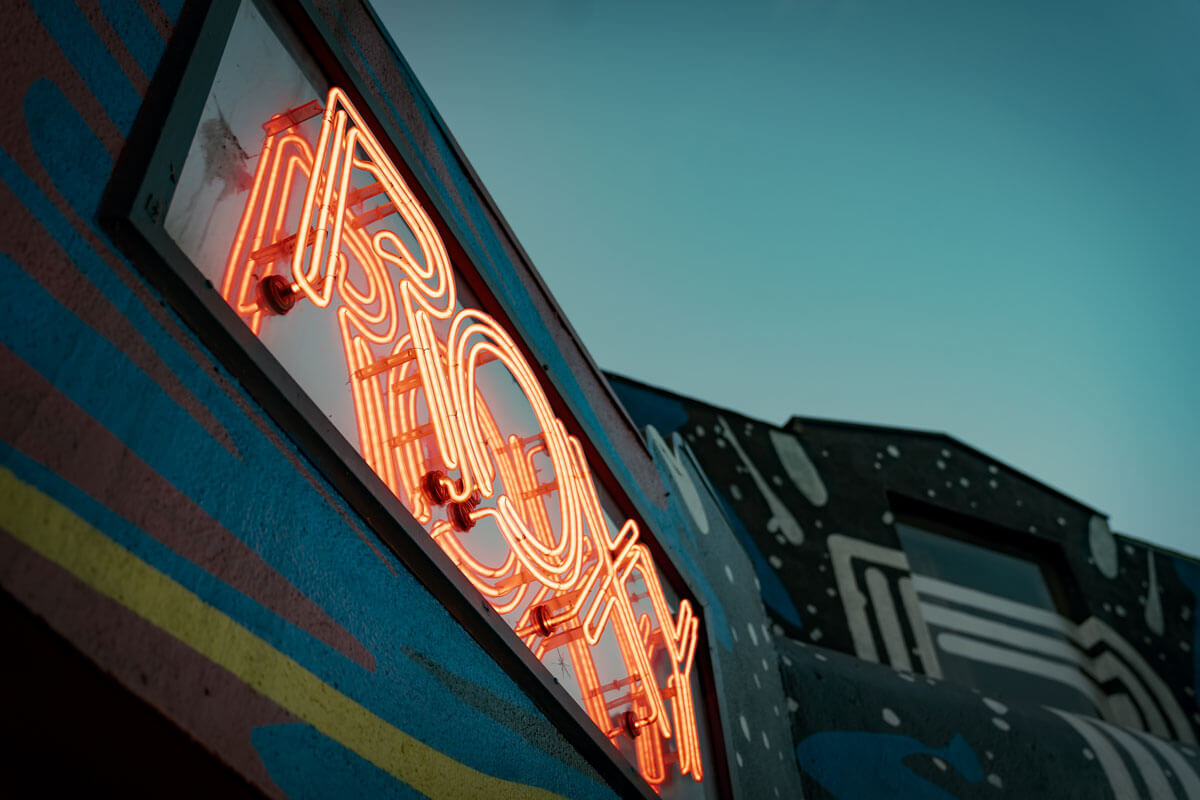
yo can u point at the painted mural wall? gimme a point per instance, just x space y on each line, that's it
158 522
1030 648
162 529
749 684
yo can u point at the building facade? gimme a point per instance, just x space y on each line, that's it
309 489
947 626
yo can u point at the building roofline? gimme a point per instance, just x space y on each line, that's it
866 426
951 440
687 398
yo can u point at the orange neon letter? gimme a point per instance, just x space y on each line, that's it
329 221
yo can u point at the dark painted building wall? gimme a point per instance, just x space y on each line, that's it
1031 649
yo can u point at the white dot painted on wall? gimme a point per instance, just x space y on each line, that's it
745 726
878 465
1154 609
735 491
815 634
1103 546
792 705
821 657
931 493
994 483
994 780
964 482
739 757
757 682
729 573
775 561
776 710
891 718
699 430
888 518
937 762
995 705
1088 754
1000 723
766 741
893 451
766 666
941 464
907 676
810 608
799 467
832 592
993 469
672 457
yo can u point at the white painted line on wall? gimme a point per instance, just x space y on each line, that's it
889 623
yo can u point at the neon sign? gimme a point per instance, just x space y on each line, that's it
318 229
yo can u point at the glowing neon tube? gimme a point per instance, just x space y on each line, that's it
414 364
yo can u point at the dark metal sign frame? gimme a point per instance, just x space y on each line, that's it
133 212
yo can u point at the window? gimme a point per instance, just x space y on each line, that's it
994 620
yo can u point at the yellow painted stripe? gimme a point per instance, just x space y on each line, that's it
61 536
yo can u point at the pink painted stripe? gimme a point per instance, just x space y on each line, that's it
42 423
120 53
33 54
201 697
46 263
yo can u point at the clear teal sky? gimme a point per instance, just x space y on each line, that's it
980 218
